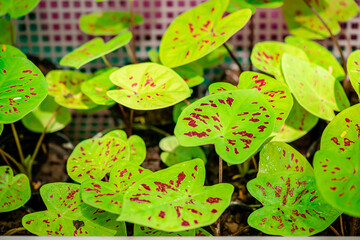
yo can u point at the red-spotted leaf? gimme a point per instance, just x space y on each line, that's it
94 49
140 231
292 203
298 123
14 190
93 158
5 25
174 153
64 86
353 66
107 23
39 118
19 8
237 122
313 87
342 132
319 55
178 108
174 199
64 215
267 56
200 232
199 31
117 133
22 88
147 86
109 196
10 51
96 87
303 22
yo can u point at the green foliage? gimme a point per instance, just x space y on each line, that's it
178 108
1 128
192 73
107 23
94 49
253 4
147 86
38 119
22 88
10 51
66 215
14 190
148 231
199 31
174 199
237 122
174 153
302 21
17 8
354 70
5 36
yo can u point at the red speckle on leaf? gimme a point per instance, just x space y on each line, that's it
185 223
261 128
197 134
163 186
212 200
29 222
146 187
335 140
229 101
162 214
180 177
139 200
254 120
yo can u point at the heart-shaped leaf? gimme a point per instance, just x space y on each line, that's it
147 86
10 51
64 215
107 23
237 122
303 22
109 196
178 108
14 190
22 88
342 132
319 55
353 66
4 7
199 31
39 118
19 8
174 199
297 124
267 56
5 25
313 87
96 87
174 153
65 87
93 158
94 49
148 231
117 133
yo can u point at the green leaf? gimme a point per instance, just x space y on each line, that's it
200 232
94 49
298 123
1 128
154 56
22 88
303 22
319 55
174 199
214 58
192 73
65 87
148 86
5 25
237 122
14 190
267 56
174 153
66 215
253 4
354 70
93 158
4 8
178 108
107 23
313 87
10 51
38 119
96 87
117 133
20 8
236 5
199 31
148 231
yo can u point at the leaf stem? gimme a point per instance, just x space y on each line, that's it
106 61
187 102
334 231
20 167
131 121
14 230
124 115
5 159
233 57
241 230
130 53
255 164
251 38
17 141
218 223
342 226
331 34
12 32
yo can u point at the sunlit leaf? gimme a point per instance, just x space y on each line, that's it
199 31
178 108
19 8
354 70
117 133
148 231
10 51
4 7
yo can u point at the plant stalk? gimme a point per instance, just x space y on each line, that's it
218 223
124 115
14 230
131 121
342 225
233 57
334 231
106 61
130 53
255 164
18 145
252 38
12 32
20 167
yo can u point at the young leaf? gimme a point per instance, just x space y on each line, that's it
319 55
174 199
37 119
297 124
174 153
199 31
14 190
147 86
96 87
5 25
354 70
22 88
302 21
267 56
107 23
93 158
20 8
64 86
192 73
313 87
10 51
237 122
94 49
109 196
64 215
148 231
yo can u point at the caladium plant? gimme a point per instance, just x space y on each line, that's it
354 70
253 4
17 8
148 231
